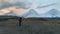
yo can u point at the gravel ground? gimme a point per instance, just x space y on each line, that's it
39 28
29 27
9 29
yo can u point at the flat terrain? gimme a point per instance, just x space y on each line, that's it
30 26
8 27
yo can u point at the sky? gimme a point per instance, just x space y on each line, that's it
50 4
40 6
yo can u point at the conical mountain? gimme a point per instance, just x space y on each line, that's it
31 13
52 13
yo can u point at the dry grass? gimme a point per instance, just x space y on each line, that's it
57 22
7 22
15 21
35 26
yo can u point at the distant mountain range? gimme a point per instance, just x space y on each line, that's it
11 13
52 14
32 13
